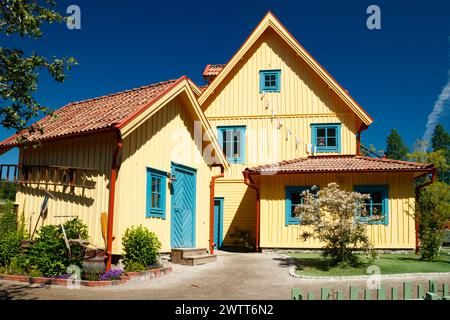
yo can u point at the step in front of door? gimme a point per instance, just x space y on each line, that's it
192 256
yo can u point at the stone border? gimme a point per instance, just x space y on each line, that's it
129 276
365 277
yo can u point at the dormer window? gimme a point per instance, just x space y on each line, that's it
269 81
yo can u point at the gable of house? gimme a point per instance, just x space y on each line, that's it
279 124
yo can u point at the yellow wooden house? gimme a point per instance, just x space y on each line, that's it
199 164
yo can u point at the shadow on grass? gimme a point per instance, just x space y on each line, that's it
302 263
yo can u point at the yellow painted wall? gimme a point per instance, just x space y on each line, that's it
167 136
399 233
303 100
238 208
92 152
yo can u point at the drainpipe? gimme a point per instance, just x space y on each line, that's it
249 181
358 138
112 190
418 188
211 208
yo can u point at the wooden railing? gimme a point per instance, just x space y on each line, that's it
380 293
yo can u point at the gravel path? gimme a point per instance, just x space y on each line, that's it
232 276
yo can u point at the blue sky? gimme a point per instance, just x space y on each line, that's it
395 73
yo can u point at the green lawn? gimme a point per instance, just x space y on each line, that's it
310 264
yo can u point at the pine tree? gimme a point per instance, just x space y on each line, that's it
440 138
395 147
441 141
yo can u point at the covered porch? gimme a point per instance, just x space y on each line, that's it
390 183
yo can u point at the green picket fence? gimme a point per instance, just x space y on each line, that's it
378 294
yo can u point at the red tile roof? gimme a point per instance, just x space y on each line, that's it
95 114
344 163
212 70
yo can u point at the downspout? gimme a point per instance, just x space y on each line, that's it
249 181
112 190
358 138
211 208
418 188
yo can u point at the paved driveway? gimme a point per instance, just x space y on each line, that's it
232 276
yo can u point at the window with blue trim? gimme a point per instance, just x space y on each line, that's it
294 197
377 207
156 193
232 141
326 137
269 81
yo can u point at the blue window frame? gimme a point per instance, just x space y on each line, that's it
232 141
156 193
326 137
294 198
269 80
377 206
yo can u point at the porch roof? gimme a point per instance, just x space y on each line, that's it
340 163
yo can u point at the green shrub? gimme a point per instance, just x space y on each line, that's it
8 218
19 264
7 191
76 229
10 246
133 266
434 212
140 246
49 252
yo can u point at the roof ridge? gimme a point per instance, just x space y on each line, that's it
117 93
396 161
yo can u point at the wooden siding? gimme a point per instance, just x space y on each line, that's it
239 210
399 233
92 152
304 99
167 136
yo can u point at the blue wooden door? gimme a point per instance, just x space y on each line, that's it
218 222
183 206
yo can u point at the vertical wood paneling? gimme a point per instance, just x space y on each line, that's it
167 136
92 152
303 100
399 233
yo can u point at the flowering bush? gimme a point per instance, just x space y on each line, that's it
334 218
112 274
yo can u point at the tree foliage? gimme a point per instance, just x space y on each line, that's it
395 147
440 141
7 191
19 74
434 211
440 138
333 216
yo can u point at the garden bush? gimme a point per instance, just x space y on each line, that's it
11 234
133 266
333 216
49 252
10 246
140 246
8 218
434 212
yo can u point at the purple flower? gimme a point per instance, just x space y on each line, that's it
113 274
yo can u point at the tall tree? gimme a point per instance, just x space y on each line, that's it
440 138
395 147
19 74
438 158
440 141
